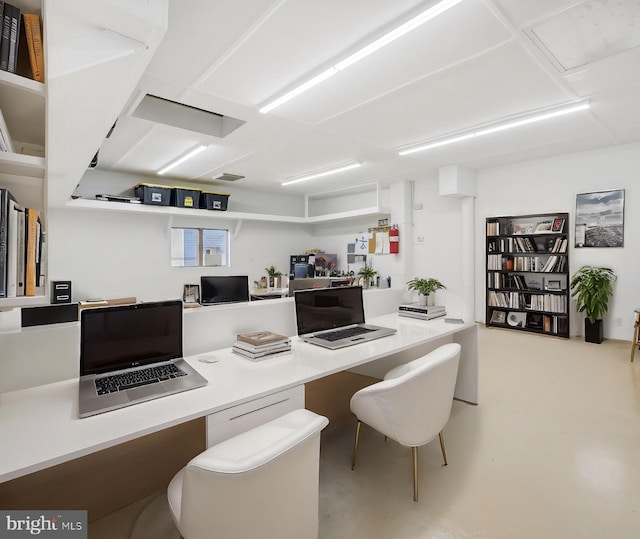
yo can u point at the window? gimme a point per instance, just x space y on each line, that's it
193 247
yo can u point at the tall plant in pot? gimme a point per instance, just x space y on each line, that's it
592 288
426 288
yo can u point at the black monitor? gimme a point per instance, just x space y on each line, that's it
224 289
125 336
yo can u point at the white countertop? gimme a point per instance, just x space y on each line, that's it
39 426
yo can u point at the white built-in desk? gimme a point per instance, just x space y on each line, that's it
39 426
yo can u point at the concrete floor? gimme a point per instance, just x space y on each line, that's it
552 451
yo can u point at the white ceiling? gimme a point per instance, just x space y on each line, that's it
480 62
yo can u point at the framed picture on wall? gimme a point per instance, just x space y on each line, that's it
600 219
191 293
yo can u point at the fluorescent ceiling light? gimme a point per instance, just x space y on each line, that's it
503 126
365 51
181 160
322 173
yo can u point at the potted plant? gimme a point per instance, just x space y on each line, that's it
426 288
367 273
273 274
592 289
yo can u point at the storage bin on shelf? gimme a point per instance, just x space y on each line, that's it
149 193
210 200
183 197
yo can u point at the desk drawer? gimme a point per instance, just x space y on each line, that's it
227 423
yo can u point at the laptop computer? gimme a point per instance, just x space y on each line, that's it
131 354
334 317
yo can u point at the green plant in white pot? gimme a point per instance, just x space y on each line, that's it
274 275
367 273
426 288
592 288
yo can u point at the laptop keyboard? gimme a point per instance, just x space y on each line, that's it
141 377
343 333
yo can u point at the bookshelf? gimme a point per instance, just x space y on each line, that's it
527 258
23 170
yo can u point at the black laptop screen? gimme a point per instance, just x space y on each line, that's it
224 289
327 308
113 338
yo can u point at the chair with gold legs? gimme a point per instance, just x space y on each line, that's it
636 331
412 404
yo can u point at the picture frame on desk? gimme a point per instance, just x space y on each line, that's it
191 293
552 285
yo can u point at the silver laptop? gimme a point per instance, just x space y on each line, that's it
131 354
334 317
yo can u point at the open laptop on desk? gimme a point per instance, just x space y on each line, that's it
334 317
131 354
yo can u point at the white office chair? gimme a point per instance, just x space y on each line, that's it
412 404
261 483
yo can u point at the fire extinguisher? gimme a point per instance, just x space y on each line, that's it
394 239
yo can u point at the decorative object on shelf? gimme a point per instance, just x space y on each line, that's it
528 273
592 288
191 293
274 276
367 273
600 219
426 288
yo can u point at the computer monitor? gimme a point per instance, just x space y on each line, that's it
224 289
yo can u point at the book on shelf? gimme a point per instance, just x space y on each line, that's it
6 142
33 39
31 233
10 37
257 338
12 249
558 225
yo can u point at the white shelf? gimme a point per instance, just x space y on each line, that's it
22 165
22 301
100 205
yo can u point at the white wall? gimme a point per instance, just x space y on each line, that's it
439 223
551 185
109 255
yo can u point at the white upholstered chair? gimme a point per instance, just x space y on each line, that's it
412 404
261 483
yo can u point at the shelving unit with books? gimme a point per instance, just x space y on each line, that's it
22 174
528 273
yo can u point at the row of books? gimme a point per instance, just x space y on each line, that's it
528 245
553 263
21 43
531 302
22 248
260 345
557 325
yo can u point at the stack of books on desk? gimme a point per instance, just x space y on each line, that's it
425 312
261 344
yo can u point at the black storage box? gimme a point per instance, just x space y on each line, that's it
214 201
182 197
158 195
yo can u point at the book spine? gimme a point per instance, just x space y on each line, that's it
5 38
34 43
20 252
14 36
12 249
31 226
4 205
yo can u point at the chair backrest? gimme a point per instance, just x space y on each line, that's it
413 403
261 483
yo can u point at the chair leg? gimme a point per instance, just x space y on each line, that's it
444 453
414 450
355 445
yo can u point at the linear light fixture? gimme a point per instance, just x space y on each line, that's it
502 126
365 51
321 174
181 160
